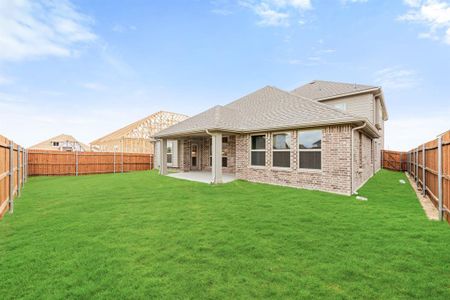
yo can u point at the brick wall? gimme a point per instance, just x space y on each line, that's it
204 145
335 175
363 159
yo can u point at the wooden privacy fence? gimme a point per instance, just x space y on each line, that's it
57 163
13 173
394 160
429 166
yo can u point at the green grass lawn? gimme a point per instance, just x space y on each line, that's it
141 235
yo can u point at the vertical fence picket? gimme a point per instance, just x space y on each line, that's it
76 163
18 172
11 177
440 200
424 184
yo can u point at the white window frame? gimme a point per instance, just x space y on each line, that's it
257 150
309 150
282 150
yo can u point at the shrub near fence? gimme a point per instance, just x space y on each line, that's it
57 163
13 173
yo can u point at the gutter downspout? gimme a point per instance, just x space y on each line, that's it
352 154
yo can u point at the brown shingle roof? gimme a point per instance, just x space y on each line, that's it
266 109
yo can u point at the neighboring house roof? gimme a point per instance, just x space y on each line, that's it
319 89
47 144
158 120
266 109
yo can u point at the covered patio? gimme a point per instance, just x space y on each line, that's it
204 157
201 176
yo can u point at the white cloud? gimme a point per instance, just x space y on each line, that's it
413 3
353 1
37 28
433 14
94 86
403 134
4 80
396 78
123 28
222 11
276 12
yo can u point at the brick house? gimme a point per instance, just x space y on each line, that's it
323 135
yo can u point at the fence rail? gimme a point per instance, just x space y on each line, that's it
13 173
57 163
429 166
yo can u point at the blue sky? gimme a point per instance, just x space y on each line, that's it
88 67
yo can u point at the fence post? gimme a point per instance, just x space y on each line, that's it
122 155
18 172
440 178
424 172
26 173
11 177
114 160
76 163
416 167
23 167
408 168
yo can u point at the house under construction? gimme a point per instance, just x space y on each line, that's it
138 136
62 142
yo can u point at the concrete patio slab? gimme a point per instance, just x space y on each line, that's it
201 176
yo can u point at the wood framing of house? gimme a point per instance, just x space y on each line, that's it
138 136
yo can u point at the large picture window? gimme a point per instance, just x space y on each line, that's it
258 150
310 149
281 152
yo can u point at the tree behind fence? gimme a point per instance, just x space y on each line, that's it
429 166
57 163
13 173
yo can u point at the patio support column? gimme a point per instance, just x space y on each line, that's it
163 157
216 154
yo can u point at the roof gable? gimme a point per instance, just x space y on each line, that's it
157 120
318 89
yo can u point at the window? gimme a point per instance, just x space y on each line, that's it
281 154
258 150
341 106
310 149
55 144
169 152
